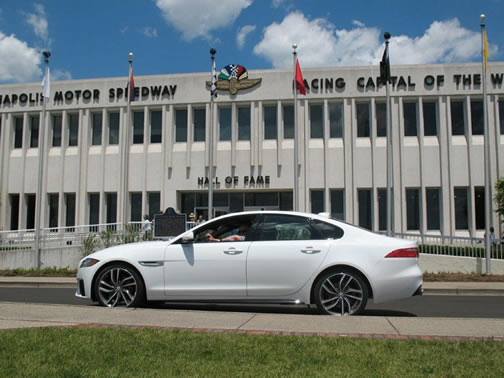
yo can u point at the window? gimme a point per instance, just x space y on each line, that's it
34 131
223 228
18 132
138 127
317 201
14 211
287 227
69 209
477 117
336 119
412 209
410 118
261 199
136 207
286 201
457 117
224 123
113 128
382 209
433 207
430 118
381 119
181 125
235 202
94 208
53 199
30 211
501 115
328 231
316 121
155 131
461 209
57 121
154 200
363 125
73 130
270 122
365 200
244 123
338 204
479 207
199 121
96 129
288 121
111 207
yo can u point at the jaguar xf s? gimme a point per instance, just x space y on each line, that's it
258 257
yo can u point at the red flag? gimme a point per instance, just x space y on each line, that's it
131 87
299 79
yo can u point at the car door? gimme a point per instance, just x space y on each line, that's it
285 254
207 270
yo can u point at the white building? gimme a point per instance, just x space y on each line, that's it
437 117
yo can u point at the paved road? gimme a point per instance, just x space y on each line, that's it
426 306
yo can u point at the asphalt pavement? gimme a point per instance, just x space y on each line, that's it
445 306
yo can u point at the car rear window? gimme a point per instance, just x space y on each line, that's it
328 230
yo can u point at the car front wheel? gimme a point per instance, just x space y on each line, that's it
119 285
341 293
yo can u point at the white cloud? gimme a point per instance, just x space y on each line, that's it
149 32
321 44
38 21
197 18
59 74
242 35
19 61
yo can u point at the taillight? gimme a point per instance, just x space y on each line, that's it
404 252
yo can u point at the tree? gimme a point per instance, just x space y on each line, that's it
499 196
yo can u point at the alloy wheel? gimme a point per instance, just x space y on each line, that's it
117 286
341 294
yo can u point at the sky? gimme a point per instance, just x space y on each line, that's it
92 38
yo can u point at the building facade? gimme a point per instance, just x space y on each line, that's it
437 118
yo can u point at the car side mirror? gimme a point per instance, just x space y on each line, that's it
187 237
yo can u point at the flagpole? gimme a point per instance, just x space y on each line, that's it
390 166
210 138
38 200
127 144
488 185
296 157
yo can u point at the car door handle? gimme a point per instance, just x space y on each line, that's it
310 250
232 251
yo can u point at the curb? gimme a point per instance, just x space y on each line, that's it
468 292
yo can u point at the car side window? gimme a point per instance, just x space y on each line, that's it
286 227
228 226
328 230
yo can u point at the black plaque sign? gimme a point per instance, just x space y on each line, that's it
169 224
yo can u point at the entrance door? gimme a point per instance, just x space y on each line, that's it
218 211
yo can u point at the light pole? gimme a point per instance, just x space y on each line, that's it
38 200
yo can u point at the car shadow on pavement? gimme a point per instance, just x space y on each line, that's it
263 309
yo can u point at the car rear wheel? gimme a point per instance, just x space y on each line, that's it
119 285
341 293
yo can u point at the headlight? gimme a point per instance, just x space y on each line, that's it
86 263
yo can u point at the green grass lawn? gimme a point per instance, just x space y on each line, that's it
114 352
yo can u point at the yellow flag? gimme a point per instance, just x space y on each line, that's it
486 54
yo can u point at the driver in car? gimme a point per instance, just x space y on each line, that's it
238 235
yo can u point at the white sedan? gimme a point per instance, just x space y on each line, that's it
258 257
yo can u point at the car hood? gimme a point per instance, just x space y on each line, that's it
126 250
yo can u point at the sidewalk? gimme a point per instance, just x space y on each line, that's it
430 288
22 315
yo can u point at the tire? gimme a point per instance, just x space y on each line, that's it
341 292
119 285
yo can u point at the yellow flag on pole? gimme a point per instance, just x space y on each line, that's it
486 54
